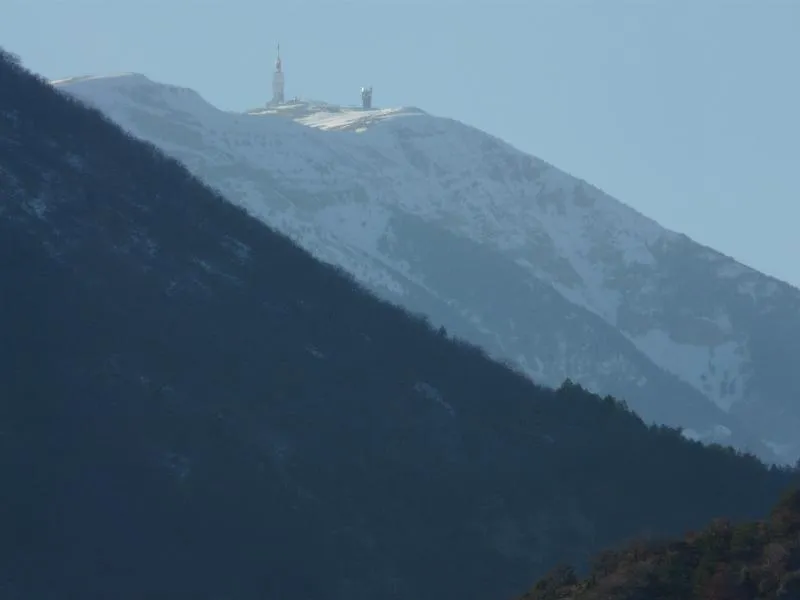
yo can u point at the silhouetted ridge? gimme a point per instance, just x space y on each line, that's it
193 407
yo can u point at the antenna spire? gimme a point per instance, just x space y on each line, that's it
277 79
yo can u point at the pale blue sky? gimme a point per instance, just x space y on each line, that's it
685 109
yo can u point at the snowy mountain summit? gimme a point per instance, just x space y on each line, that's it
502 249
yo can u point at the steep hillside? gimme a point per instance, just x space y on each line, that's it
502 249
194 407
724 561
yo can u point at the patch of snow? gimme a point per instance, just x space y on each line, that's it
313 351
717 434
431 393
360 224
716 371
757 288
786 451
37 206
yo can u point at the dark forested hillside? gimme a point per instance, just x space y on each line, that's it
725 561
192 407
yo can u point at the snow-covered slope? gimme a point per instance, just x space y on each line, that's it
501 248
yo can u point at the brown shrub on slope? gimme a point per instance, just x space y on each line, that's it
725 561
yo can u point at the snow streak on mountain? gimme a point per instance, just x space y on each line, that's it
502 249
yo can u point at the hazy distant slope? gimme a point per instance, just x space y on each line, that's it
389 194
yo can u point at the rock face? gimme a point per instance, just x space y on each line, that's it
191 406
501 249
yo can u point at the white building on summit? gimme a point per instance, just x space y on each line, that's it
277 81
366 98
279 94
